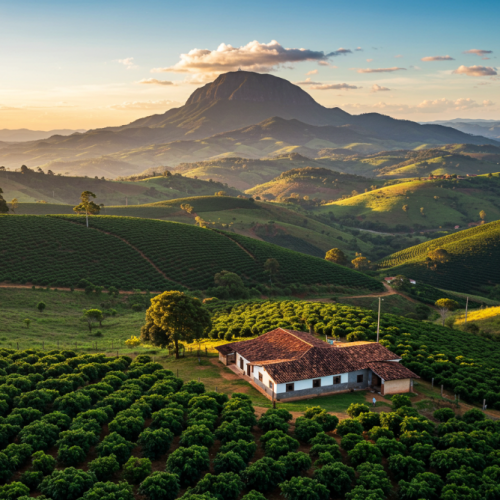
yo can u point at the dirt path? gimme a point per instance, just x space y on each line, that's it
236 243
62 288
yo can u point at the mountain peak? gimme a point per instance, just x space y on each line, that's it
253 87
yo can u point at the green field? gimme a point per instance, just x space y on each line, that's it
472 265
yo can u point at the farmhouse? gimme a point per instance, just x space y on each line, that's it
291 364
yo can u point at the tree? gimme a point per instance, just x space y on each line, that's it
264 474
41 306
109 491
336 256
365 452
295 463
104 467
187 208
4 208
13 205
135 470
224 486
482 214
337 477
93 316
27 322
177 317
67 484
360 263
349 426
229 462
87 206
156 442
439 255
445 305
272 267
229 280
188 463
43 463
422 211
406 208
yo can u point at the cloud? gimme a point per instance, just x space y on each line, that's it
427 106
339 52
379 70
144 105
369 60
128 63
378 88
358 49
254 56
398 56
475 71
478 52
333 86
307 81
313 72
437 58
154 81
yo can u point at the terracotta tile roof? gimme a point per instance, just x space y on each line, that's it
289 356
391 371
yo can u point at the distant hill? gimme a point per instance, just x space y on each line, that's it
33 186
429 204
234 101
60 250
486 128
472 266
24 134
314 183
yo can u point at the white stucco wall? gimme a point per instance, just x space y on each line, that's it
265 376
308 383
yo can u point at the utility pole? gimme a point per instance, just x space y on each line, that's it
466 307
380 299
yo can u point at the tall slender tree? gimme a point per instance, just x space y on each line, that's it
87 206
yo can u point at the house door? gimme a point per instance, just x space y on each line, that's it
375 380
248 370
241 364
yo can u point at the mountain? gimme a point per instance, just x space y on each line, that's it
24 134
470 266
486 128
234 101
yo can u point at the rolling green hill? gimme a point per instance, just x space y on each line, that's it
136 253
32 186
474 255
421 204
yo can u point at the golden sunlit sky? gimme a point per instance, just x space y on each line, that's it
91 64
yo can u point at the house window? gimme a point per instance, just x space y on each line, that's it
317 382
290 387
260 376
360 379
271 385
336 380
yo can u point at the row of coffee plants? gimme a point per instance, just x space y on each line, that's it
84 398
49 251
191 255
472 254
464 363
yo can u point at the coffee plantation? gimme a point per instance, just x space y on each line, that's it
108 429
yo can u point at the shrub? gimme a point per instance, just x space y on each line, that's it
17 454
59 419
365 452
405 467
28 415
377 432
254 495
135 470
419 424
109 491
194 387
369 420
373 476
400 400
390 447
39 435
78 437
279 446
263 475
229 462
272 422
104 467
72 403
233 431
114 444
43 463
349 426
71 455
328 457
473 415
225 486
447 460
169 418
155 442
453 492
444 414
188 463
204 403
128 426
298 488
328 422
337 477
349 441
361 493
14 491
355 409
422 452
67 484
306 429
415 490
295 463
246 449
285 415
160 486
197 434
31 479
391 421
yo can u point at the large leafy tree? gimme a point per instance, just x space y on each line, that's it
174 317
445 305
87 206
4 208
336 256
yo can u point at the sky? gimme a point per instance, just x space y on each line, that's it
90 64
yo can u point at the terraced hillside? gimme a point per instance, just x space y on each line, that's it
473 257
137 253
420 204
